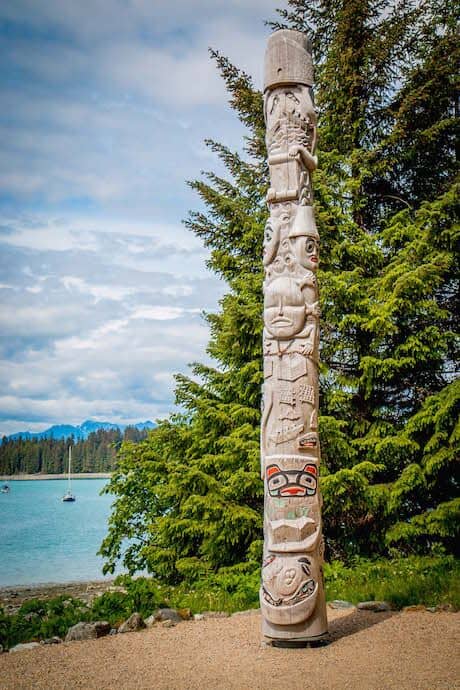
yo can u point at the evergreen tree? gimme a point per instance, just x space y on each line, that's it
190 497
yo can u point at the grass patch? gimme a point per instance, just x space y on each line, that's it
403 582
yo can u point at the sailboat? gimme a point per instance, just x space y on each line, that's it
69 496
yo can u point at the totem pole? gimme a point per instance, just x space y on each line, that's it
292 592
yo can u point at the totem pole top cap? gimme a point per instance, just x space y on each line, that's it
288 59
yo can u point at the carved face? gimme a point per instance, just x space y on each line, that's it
291 483
290 100
307 252
287 580
284 308
276 226
282 101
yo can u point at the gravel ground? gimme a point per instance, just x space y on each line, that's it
369 651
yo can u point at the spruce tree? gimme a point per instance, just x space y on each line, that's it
189 498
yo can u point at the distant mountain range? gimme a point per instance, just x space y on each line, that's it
80 432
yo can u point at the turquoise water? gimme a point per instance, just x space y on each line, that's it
43 539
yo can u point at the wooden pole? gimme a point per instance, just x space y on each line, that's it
292 591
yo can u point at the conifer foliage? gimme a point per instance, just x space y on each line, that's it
189 498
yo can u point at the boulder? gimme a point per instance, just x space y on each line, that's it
185 614
24 647
132 624
87 631
340 604
375 606
167 615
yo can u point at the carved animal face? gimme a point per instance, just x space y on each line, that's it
287 580
291 483
309 441
284 308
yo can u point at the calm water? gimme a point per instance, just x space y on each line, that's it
43 539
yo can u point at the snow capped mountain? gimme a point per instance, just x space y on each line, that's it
82 431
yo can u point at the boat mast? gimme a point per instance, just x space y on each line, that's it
70 465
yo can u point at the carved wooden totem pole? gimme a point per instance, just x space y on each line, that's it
292 592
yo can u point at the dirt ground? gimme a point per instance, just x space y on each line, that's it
368 651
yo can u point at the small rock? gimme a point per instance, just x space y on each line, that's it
431 609
135 622
445 607
52 640
185 614
167 614
150 621
113 631
376 606
168 623
340 604
215 614
87 631
23 647
414 608
198 617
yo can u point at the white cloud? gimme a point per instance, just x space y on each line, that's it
103 287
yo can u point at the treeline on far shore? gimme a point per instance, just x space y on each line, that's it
97 453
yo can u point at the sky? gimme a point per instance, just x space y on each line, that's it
105 106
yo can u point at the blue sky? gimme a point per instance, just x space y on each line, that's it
105 105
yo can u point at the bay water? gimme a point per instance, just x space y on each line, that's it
43 539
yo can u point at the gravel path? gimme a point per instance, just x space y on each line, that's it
370 651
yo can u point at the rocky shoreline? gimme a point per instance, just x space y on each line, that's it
12 598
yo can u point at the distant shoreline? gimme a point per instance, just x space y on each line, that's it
40 477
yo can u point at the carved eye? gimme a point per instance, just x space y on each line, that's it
310 246
308 481
292 97
277 481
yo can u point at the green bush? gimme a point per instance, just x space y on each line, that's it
38 619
